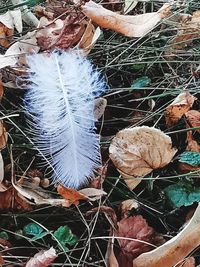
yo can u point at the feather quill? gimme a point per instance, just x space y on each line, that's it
60 101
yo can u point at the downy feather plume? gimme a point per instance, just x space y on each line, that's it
60 101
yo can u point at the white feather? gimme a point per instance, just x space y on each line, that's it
60 101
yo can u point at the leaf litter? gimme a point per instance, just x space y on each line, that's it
132 196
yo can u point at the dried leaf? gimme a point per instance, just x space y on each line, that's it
1 260
42 258
188 30
15 53
99 107
92 194
193 118
126 206
181 104
11 19
131 26
174 250
71 195
1 89
60 33
89 38
137 151
3 135
11 199
1 170
136 228
5 35
110 255
192 144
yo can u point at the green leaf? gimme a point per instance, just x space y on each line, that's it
181 195
138 67
191 158
4 235
141 82
65 236
33 229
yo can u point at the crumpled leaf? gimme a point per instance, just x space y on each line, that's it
73 196
192 143
1 170
191 158
131 26
65 236
15 53
181 104
182 195
126 206
99 107
12 19
11 199
134 227
89 38
5 35
174 250
43 258
137 151
60 33
1 260
193 118
188 30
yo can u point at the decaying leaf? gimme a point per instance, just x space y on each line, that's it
12 19
188 30
1 170
110 255
11 199
192 144
71 195
189 262
3 135
181 104
134 227
99 107
126 206
131 26
60 33
193 119
5 35
137 151
1 260
15 53
174 250
42 258
89 38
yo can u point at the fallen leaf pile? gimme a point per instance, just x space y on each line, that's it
150 157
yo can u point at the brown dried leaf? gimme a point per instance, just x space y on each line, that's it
92 194
131 26
126 206
99 107
5 35
181 104
136 228
72 195
110 258
15 53
188 30
43 258
60 33
11 199
3 135
137 151
1 89
193 118
174 250
192 144
12 19
89 38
